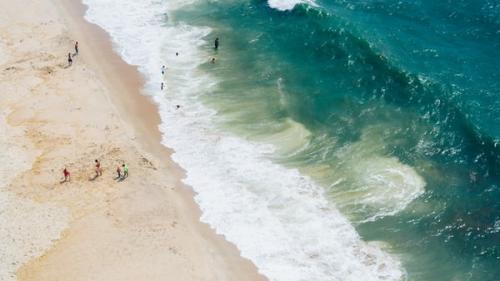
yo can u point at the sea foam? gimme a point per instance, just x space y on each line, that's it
283 5
277 217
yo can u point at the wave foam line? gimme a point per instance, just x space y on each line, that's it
277 217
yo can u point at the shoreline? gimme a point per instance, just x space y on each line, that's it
120 87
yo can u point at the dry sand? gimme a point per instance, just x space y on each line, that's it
54 116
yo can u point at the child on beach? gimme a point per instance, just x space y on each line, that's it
98 169
70 60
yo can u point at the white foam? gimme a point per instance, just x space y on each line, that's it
284 5
277 217
371 185
388 186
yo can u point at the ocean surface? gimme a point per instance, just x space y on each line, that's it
331 140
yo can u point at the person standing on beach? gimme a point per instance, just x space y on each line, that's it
67 176
119 172
70 60
161 86
76 48
125 170
216 43
98 169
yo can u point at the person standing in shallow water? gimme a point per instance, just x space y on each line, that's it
216 43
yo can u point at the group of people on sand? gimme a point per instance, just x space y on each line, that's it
71 56
122 172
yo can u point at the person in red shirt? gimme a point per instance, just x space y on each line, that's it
67 176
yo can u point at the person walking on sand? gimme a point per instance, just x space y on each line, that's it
119 172
98 169
70 60
216 43
125 171
67 176
76 48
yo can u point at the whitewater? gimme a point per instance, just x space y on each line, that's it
277 217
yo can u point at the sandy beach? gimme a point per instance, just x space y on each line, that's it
145 227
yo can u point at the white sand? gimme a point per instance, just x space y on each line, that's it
143 228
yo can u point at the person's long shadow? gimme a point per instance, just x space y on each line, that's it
93 178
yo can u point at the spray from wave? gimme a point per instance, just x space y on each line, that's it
284 5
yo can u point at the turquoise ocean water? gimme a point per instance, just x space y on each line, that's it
416 80
392 108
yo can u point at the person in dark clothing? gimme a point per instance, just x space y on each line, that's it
70 60
216 43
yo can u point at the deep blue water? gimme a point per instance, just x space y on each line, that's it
417 81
